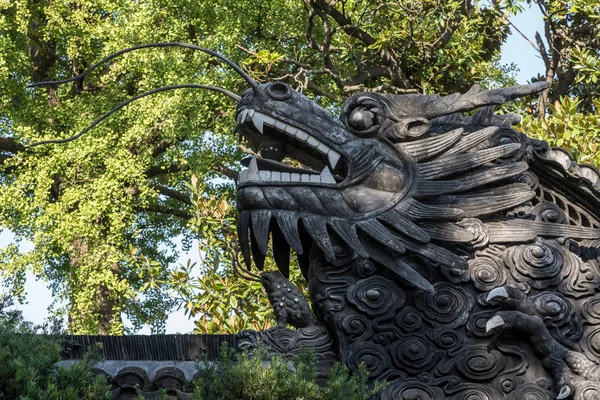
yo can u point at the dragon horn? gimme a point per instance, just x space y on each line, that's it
476 98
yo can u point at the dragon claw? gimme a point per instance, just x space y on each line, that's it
496 293
564 392
494 322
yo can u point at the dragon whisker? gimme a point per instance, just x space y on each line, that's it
237 69
131 100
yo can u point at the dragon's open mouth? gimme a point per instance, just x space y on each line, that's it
280 145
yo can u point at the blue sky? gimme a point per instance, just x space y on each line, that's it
516 50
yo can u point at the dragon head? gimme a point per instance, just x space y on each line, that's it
367 180
399 175
349 169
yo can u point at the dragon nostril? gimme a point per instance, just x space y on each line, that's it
279 91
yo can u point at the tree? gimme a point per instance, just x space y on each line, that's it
568 112
102 210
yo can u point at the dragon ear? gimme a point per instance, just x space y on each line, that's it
405 128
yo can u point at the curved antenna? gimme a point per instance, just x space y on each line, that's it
131 100
237 69
234 250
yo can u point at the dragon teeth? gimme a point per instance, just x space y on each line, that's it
333 157
276 176
260 120
323 148
313 142
242 116
326 176
253 174
265 175
302 136
290 130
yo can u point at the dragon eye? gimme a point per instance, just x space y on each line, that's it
279 91
361 119
364 120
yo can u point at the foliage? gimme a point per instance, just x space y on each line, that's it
568 128
567 113
102 211
249 377
27 374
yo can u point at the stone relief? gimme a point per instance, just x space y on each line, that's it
441 251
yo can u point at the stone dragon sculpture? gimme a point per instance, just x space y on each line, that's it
454 256
447 253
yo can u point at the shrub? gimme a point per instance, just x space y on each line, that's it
250 377
28 369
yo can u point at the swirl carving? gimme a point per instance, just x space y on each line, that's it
487 272
530 391
446 339
475 392
554 307
409 320
528 178
591 310
539 264
411 389
508 136
356 326
549 212
477 228
447 306
588 391
508 384
455 275
582 279
476 324
479 364
590 342
385 338
374 357
414 354
376 296
363 268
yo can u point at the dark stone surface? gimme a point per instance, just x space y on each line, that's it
454 256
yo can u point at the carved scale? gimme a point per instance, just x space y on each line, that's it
454 256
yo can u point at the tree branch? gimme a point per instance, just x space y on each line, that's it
172 193
164 210
157 170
